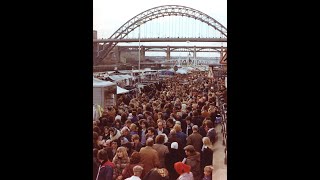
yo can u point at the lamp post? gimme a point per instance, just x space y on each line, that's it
139 24
188 58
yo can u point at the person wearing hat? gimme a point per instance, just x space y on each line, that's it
172 157
184 171
117 117
193 160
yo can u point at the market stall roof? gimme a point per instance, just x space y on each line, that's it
120 77
116 77
101 83
182 71
120 90
126 76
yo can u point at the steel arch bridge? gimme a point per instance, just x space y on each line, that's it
154 13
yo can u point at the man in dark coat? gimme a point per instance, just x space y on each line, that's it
172 157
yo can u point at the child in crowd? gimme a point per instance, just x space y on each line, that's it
207 171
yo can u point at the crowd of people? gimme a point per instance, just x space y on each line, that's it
165 132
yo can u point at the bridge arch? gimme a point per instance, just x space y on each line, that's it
158 12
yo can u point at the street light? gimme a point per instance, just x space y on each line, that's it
188 57
139 24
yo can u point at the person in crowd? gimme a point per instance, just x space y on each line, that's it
206 152
117 124
195 139
121 160
207 172
170 123
133 129
106 168
95 163
125 134
149 156
157 174
188 129
193 160
128 146
161 129
114 134
96 141
136 145
172 157
161 149
184 171
105 134
135 160
114 147
151 133
143 131
137 173
181 135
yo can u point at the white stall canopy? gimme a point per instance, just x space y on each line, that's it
120 90
101 83
104 92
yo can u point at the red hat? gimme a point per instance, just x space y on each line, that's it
181 167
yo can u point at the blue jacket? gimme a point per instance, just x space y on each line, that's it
207 178
105 171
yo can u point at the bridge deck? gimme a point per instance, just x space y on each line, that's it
162 40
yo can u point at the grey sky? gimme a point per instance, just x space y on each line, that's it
108 15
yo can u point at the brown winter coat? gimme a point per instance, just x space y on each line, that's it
195 139
194 162
150 158
162 151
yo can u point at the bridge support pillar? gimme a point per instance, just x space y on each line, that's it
95 47
168 53
143 53
221 53
195 56
114 55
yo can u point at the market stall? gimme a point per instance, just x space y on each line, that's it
104 92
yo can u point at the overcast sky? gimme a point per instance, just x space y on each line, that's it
108 15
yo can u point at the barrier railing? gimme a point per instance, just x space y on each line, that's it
222 106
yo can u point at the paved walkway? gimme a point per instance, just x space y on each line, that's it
220 169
